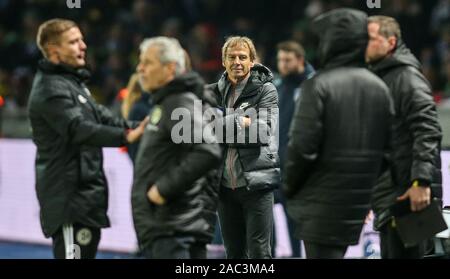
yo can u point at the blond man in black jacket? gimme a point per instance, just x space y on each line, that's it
69 130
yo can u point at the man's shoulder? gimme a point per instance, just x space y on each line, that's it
268 87
406 78
46 87
182 99
50 82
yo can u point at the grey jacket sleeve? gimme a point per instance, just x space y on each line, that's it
419 112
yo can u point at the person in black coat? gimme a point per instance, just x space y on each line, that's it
415 157
338 136
69 130
174 194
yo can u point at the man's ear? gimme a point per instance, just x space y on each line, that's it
171 67
392 41
51 50
301 60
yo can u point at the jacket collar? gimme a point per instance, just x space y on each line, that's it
402 56
79 74
188 82
259 74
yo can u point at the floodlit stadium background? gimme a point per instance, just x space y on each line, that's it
113 30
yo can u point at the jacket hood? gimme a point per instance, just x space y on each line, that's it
81 74
259 74
402 56
342 37
188 82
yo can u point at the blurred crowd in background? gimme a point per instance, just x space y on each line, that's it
114 29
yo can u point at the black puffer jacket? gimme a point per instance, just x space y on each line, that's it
338 135
416 130
69 130
259 158
181 171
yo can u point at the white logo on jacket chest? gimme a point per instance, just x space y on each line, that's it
244 105
82 99
87 91
297 93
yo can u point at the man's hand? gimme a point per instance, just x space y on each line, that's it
246 121
136 133
154 196
369 217
419 196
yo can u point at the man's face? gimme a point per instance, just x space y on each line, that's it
237 62
378 46
152 73
71 49
288 62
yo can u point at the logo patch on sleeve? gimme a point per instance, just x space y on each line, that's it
155 116
84 236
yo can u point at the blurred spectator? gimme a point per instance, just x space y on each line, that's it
135 106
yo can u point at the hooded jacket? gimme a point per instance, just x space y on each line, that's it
69 130
258 158
338 135
180 170
416 131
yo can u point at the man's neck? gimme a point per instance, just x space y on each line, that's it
235 81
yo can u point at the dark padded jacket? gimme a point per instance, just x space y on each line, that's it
181 170
259 157
416 131
338 136
69 130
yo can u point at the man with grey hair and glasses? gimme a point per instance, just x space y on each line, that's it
173 196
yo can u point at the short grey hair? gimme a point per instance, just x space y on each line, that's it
170 50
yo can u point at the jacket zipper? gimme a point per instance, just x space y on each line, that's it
230 169
231 153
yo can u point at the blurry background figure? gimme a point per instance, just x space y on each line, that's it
293 70
135 106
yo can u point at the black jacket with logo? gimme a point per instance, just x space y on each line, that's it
69 130
181 170
338 136
258 156
416 131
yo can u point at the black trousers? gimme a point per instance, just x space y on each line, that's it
323 251
392 246
295 242
246 221
176 247
76 241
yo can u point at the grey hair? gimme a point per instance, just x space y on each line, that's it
170 50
